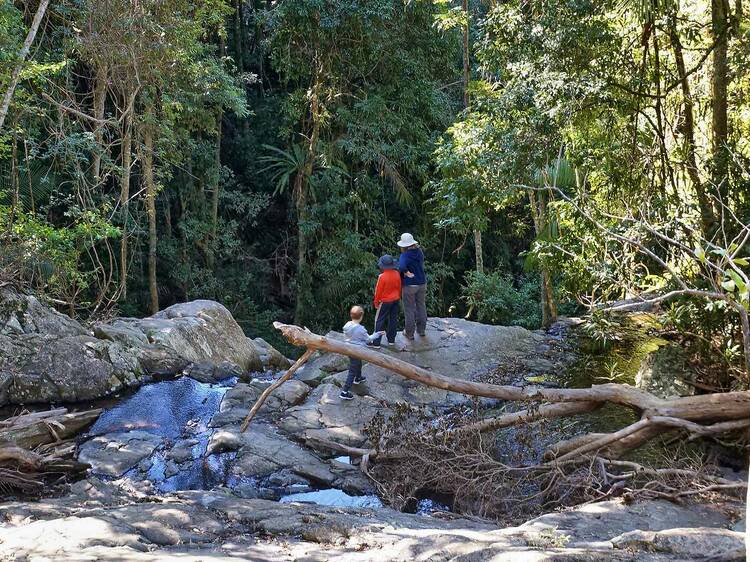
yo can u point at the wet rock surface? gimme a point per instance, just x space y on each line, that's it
114 454
238 400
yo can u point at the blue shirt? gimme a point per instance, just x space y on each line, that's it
355 333
412 260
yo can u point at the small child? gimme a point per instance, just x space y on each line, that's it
387 299
356 334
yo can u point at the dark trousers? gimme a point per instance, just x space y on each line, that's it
355 371
415 309
387 315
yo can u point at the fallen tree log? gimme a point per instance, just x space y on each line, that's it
31 430
546 411
705 407
35 446
730 411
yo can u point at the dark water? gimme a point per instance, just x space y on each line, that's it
180 411
173 409
168 408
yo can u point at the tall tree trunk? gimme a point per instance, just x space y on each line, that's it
21 58
688 130
303 282
465 8
14 180
215 197
301 188
478 251
127 145
150 186
538 212
238 43
719 80
100 96
32 204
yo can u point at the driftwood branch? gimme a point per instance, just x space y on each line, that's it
267 392
36 445
727 411
31 430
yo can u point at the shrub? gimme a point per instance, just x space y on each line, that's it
496 299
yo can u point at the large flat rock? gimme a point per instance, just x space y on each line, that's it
114 454
325 416
262 450
452 347
213 526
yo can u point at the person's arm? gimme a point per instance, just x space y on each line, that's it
374 336
403 265
378 292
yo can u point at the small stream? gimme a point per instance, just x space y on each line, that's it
173 418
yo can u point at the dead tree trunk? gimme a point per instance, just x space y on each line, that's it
727 411
21 58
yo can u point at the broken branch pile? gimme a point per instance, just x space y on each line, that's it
460 460
35 446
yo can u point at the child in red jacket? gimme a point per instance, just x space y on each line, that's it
387 299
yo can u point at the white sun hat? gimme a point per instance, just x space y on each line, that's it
406 240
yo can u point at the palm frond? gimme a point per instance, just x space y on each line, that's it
35 185
391 173
559 174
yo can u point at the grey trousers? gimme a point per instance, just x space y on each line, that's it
415 309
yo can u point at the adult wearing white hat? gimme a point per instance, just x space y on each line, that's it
413 285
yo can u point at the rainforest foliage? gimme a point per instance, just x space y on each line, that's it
549 156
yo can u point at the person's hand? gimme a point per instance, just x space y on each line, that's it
409 274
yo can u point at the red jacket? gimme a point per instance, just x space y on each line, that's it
388 288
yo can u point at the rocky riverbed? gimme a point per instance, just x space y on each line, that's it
173 477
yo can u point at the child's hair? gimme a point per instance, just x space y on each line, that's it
357 312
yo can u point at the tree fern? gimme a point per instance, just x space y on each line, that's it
35 185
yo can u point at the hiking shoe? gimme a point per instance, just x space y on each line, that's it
346 395
422 334
373 345
359 380
408 337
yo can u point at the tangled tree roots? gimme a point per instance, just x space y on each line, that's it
454 459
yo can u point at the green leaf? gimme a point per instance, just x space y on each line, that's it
738 281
